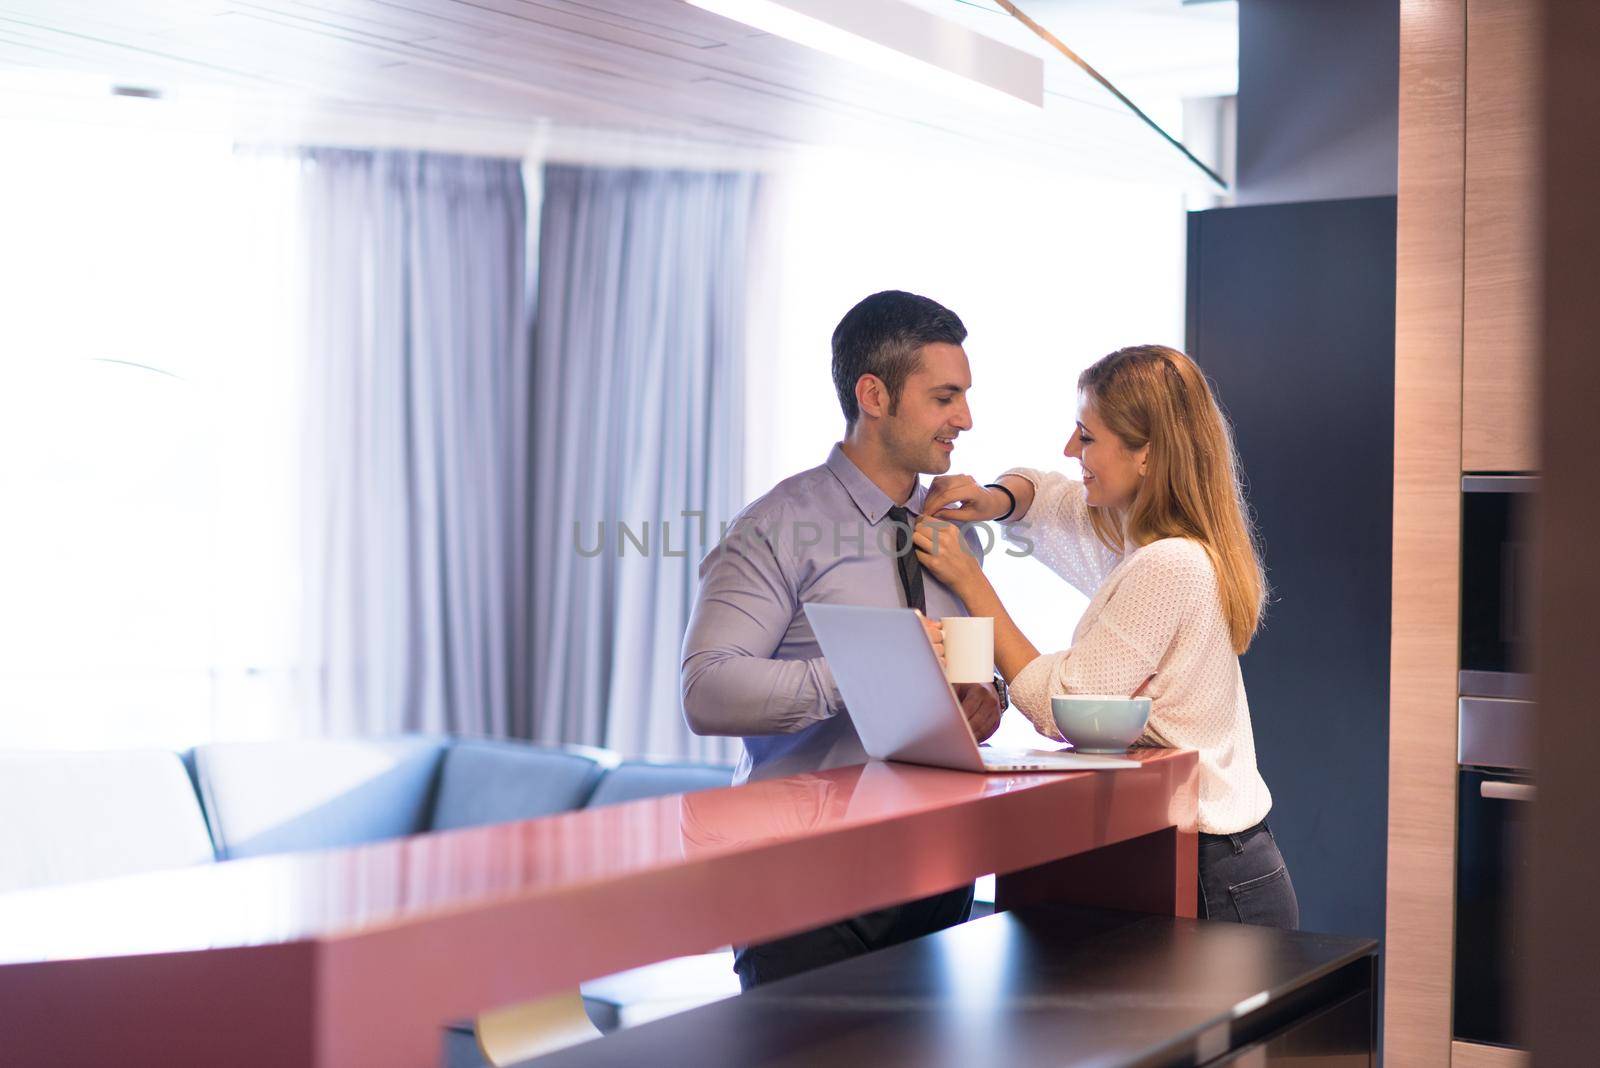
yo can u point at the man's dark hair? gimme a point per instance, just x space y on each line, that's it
883 336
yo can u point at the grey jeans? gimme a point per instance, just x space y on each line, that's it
1243 879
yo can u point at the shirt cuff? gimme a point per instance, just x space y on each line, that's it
832 699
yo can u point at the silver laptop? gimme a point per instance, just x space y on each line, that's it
901 705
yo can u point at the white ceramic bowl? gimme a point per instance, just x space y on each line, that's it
1099 723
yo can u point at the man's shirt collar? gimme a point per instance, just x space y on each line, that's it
873 502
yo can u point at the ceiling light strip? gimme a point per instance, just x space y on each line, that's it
902 40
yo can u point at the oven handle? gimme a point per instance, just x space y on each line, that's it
1507 791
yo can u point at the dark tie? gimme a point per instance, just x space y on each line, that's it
906 561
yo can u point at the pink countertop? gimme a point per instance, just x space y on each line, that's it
357 956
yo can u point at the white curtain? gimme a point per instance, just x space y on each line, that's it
638 417
416 401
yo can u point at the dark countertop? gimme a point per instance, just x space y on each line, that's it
1041 985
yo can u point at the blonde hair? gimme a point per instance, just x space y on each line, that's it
1156 396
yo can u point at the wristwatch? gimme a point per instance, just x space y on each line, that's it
1001 692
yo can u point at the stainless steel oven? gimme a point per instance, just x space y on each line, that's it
1495 606
1493 836
1495 757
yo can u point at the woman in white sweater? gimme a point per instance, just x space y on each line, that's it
1156 534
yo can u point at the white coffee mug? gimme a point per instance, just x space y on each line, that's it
968 648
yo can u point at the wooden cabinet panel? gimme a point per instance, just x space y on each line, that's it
1500 290
1470 1055
1424 627
1466 358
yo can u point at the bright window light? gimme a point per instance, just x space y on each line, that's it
147 362
1048 277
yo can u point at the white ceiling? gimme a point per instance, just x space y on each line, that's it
1153 50
504 76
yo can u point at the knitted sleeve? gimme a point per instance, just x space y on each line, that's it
1056 531
1154 598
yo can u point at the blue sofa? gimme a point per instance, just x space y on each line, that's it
66 817
279 797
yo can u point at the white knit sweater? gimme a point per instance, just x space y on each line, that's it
1156 611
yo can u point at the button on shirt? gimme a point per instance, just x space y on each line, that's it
751 665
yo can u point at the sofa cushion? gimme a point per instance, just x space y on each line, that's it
497 782
635 779
280 797
71 816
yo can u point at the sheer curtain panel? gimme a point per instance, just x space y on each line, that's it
638 419
415 476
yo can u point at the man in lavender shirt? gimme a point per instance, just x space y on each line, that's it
836 534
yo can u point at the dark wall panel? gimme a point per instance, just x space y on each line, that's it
1291 313
1319 89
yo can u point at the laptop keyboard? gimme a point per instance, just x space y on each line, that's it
1018 760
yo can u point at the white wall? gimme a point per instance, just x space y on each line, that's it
1048 274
